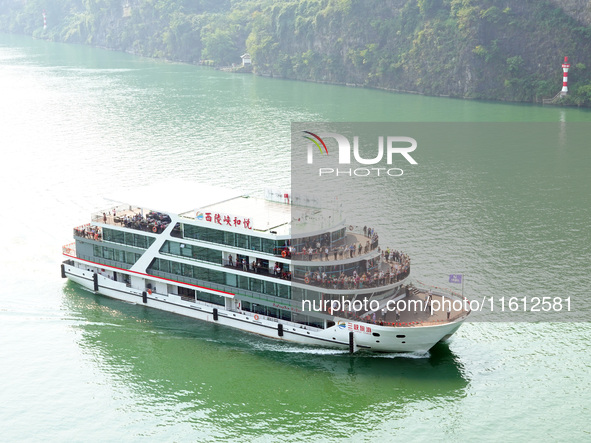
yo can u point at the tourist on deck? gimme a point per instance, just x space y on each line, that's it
230 260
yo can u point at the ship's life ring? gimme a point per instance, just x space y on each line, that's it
149 291
284 253
238 305
350 227
256 317
154 229
307 279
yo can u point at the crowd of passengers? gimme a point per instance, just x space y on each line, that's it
257 267
320 248
153 222
91 232
399 269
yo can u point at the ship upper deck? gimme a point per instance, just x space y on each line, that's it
222 208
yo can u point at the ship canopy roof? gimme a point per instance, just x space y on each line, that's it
189 199
175 196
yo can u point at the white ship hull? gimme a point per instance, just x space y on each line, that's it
345 334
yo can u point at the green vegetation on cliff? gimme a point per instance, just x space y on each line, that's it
489 49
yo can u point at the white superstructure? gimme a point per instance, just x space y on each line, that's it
264 265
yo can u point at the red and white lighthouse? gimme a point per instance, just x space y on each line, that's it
44 20
565 67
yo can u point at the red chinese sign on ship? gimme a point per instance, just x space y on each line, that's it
221 219
358 328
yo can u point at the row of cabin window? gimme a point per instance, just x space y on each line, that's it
127 238
281 314
192 251
214 276
116 254
234 239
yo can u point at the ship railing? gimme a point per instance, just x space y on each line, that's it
438 289
419 311
261 270
224 288
285 323
345 285
88 231
343 250
104 261
445 292
133 217
69 249
120 210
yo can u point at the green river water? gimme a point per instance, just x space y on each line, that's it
78 124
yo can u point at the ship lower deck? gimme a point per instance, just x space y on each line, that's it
366 332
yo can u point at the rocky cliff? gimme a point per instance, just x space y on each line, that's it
489 49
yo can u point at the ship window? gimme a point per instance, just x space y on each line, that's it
269 287
283 291
375 334
216 276
140 241
268 246
242 282
175 268
401 336
242 241
255 243
231 279
98 251
174 248
118 237
256 285
108 253
187 270
200 273
229 238
186 250
120 256
155 265
272 312
211 298
216 236
130 258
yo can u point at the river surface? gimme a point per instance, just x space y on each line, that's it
78 124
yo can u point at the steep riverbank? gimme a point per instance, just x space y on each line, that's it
488 49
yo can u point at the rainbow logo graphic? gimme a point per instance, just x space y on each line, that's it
199 216
316 142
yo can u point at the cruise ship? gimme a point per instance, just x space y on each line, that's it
276 265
